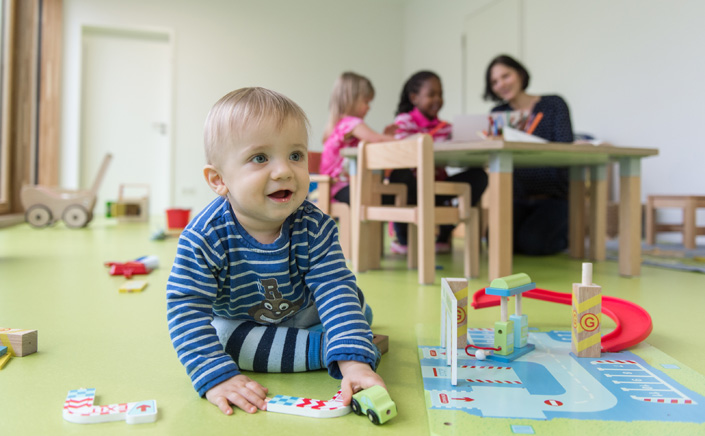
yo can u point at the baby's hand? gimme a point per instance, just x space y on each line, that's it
240 391
356 377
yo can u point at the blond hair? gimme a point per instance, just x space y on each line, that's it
348 89
246 108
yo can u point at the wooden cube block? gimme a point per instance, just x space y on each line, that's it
19 342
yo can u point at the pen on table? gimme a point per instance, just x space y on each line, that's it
535 122
437 128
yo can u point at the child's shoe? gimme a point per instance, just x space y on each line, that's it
443 247
397 248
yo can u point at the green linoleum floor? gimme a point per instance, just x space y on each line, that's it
90 335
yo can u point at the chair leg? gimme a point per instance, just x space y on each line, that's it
426 253
473 235
689 231
650 221
413 247
344 235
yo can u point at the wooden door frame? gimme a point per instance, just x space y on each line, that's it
31 97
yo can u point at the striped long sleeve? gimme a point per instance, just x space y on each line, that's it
220 270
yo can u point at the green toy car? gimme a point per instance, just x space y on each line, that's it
375 403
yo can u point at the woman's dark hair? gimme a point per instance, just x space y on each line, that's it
412 86
510 62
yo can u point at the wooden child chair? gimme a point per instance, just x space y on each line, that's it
341 211
688 227
414 152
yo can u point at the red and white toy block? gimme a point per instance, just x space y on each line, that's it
79 409
332 408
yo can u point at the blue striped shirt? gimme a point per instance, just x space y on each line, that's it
220 270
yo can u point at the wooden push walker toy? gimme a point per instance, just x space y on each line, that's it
44 206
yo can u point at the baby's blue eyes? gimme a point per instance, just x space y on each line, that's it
296 156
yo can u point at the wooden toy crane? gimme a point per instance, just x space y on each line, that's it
44 205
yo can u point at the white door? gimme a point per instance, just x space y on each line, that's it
494 30
126 111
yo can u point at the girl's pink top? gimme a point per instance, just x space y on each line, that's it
331 160
411 123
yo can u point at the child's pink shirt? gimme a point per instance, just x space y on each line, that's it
411 123
331 160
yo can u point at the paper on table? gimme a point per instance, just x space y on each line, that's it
510 134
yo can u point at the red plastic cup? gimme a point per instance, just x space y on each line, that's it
177 218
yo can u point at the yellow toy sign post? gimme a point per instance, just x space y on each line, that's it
587 316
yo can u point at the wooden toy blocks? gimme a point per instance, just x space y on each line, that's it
19 342
133 286
4 359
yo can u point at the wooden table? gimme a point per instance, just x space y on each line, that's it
501 157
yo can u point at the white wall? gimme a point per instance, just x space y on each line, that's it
295 47
432 41
631 71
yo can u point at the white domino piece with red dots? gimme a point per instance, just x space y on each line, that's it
79 409
332 408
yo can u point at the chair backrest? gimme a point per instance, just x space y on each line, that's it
415 152
407 153
314 162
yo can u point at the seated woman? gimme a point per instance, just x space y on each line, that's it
540 194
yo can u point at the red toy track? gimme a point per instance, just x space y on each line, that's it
633 322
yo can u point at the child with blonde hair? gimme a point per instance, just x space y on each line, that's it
349 103
260 269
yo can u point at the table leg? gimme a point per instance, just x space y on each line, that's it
576 212
500 215
630 216
598 212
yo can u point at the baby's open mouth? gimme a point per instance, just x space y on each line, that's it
284 194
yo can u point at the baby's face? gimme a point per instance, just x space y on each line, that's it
266 173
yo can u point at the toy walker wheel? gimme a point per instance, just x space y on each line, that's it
355 406
76 216
38 216
372 416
